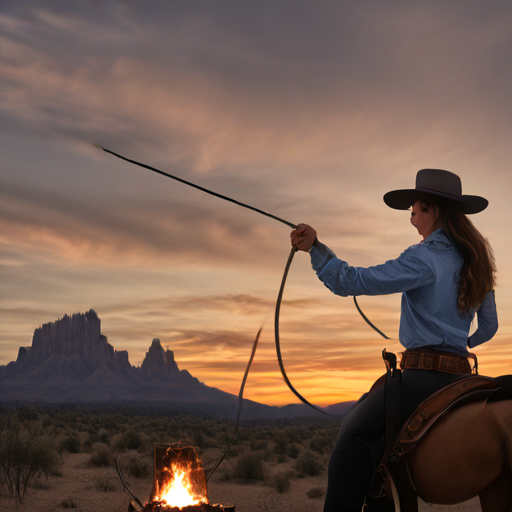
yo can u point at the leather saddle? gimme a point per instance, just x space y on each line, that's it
400 444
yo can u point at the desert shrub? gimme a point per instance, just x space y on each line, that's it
41 482
281 481
27 413
105 484
132 440
103 436
198 438
87 445
281 458
258 445
101 456
281 444
321 443
268 455
248 466
70 444
234 451
25 455
68 503
147 446
118 443
293 451
137 467
307 464
315 492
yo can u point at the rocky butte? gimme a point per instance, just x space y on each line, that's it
71 361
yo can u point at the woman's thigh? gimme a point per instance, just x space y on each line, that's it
418 385
366 420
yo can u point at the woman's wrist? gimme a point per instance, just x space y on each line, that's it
313 244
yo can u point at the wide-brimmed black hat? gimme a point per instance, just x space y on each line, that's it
439 186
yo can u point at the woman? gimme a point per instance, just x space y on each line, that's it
444 279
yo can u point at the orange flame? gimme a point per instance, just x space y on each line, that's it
177 491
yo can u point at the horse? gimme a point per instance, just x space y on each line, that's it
466 453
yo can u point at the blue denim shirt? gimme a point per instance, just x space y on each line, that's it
427 275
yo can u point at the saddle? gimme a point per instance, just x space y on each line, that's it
400 444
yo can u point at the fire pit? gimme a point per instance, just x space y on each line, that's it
179 484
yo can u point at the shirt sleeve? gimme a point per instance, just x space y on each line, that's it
487 321
410 270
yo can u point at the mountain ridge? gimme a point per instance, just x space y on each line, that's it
70 361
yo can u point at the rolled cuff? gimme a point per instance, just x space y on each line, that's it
320 256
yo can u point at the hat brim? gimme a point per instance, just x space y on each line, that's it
404 199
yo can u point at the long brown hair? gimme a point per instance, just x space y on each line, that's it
478 273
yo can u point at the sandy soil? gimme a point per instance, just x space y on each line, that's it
80 483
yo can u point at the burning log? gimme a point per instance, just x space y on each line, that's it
179 484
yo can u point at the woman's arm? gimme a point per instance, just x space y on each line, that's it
487 321
408 271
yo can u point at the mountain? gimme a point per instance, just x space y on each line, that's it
71 361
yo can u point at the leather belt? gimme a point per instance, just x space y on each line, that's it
438 361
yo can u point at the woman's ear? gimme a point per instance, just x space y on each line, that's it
436 212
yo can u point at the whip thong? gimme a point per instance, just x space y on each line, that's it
226 198
290 258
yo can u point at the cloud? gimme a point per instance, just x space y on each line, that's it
236 84
310 114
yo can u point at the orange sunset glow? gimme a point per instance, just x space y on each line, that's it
311 112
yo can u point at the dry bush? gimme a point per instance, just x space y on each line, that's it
281 481
281 444
281 458
118 443
321 443
101 456
268 455
248 466
25 455
68 503
103 436
70 444
138 467
259 445
105 484
40 482
147 444
315 492
293 451
308 464
132 439
234 451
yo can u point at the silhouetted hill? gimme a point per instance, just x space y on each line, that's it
71 361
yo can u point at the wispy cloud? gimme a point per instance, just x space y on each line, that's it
311 114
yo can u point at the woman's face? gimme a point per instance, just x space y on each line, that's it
425 218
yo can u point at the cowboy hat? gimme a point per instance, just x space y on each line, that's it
439 186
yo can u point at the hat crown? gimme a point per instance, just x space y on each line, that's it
438 180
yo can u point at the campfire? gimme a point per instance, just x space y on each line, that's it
179 484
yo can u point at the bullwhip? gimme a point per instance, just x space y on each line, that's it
281 290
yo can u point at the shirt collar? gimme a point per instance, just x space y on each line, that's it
439 235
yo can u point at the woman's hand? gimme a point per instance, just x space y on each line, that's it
303 237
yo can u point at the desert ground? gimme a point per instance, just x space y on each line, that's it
90 489
272 466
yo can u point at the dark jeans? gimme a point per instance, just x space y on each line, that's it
350 466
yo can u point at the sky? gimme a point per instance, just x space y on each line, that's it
309 110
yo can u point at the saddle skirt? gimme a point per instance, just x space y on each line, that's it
463 391
471 389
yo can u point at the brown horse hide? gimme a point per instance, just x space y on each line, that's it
467 453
